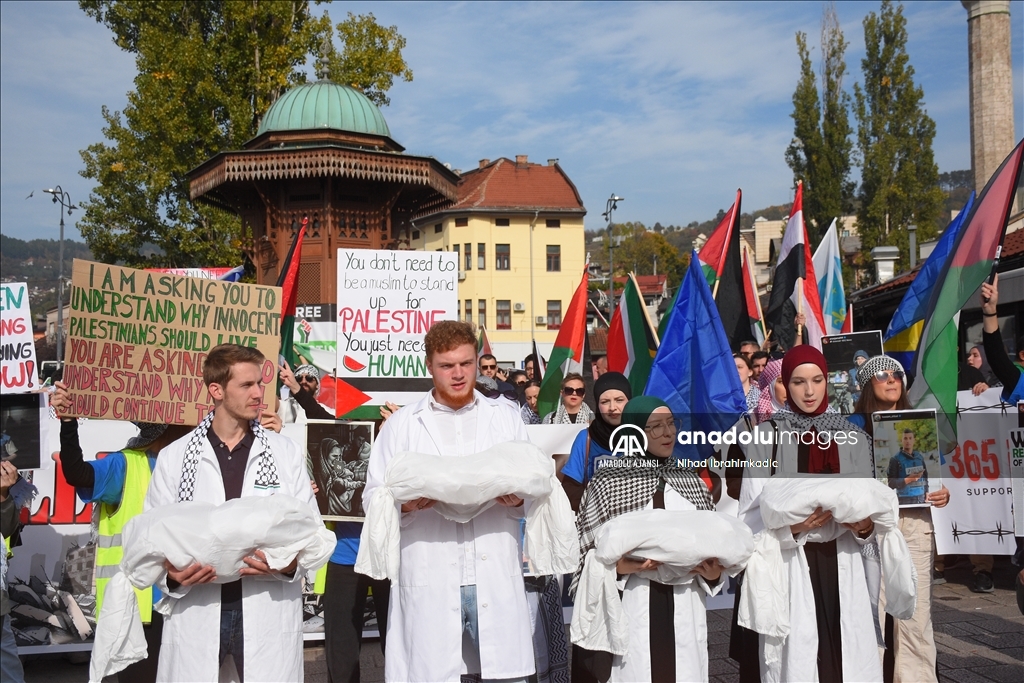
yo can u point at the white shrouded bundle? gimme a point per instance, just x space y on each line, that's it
679 539
283 527
464 487
785 501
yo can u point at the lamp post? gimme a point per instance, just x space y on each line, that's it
613 203
64 199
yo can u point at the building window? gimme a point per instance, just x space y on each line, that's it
469 310
461 222
437 228
455 248
554 258
482 319
501 222
554 222
481 256
554 315
501 257
415 234
469 257
503 321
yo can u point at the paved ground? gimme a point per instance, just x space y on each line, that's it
980 638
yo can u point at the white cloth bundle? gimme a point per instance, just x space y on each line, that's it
680 540
464 487
283 527
785 501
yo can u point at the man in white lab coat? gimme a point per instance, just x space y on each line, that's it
258 618
459 605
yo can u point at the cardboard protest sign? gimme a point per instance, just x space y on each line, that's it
18 369
391 298
137 340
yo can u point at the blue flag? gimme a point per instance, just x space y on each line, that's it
694 372
914 305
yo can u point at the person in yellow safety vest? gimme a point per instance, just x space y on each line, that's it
10 664
118 485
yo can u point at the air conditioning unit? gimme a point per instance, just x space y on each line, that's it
462 275
541 320
519 308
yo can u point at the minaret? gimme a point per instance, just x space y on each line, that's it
991 74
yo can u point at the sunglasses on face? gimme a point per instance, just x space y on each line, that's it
883 376
306 379
569 391
488 367
508 393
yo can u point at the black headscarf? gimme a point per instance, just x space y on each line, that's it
600 430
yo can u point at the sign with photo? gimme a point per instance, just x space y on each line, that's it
21 438
339 455
844 354
19 372
907 454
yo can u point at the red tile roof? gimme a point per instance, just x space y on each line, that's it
505 184
650 285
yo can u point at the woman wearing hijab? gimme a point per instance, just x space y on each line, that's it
611 392
910 643
831 635
668 627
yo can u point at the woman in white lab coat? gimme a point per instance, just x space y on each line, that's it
667 623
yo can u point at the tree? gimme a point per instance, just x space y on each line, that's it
641 251
207 73
820 153
899 177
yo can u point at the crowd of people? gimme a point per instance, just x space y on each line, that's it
459 606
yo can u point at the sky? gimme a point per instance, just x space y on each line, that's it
672 106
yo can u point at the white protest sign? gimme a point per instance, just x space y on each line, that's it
978 519
18 369
387 300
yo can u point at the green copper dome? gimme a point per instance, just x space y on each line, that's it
324 105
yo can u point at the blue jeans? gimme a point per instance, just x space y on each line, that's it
471 633
10 664
231 640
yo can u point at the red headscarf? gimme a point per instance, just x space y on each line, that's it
818 459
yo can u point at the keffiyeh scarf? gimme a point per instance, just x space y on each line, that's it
266 472
561 417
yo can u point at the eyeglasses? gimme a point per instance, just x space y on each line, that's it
569 391
508 393
882 376
306 379
661 428
488 367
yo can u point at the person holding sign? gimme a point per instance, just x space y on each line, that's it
459 604
257 619
910 643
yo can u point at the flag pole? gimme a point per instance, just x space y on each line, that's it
643 308
800 307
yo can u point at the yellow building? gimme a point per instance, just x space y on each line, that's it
518 230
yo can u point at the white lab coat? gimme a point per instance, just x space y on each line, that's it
798 661
271 606
690 622
424 639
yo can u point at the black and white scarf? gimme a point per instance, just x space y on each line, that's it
614 491
266 473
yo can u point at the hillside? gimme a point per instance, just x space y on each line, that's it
36 263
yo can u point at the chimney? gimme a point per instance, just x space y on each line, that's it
552 162
484 162
520 160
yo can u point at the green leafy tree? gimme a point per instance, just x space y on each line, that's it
820 153
207 73
641 251
899 177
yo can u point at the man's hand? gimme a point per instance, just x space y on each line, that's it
60 399
192 575
817 519
711 569
257 565
287 378
509 501
990 296
912 478
418 504
628 565
939 499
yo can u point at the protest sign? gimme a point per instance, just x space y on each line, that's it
137 340
978 519
391 298
18 369
907 454
844 354
1015 457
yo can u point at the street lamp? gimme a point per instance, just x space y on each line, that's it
64 199
613 203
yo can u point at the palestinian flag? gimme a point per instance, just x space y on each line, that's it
567 356
632 341
753 302
970 261
483 345
288 281
722 264
715 251
794 286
